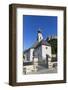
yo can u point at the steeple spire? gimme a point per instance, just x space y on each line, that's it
39 36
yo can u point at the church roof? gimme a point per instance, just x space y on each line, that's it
37 44
26 50
43 42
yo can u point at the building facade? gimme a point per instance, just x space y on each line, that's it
40 52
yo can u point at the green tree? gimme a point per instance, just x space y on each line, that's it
53 43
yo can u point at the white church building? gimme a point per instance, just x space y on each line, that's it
40 52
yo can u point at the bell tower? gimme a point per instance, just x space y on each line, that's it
39 36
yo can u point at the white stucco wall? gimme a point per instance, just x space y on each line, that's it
31 54
27 55
46 50
38 53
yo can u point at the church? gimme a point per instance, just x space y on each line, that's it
39 53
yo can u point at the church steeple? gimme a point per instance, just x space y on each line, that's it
39 36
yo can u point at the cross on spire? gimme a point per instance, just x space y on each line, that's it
39 30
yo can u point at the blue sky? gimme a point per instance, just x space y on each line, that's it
31 24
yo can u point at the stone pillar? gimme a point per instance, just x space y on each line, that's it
49 63
35 64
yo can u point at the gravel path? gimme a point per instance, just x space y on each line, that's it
43 70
